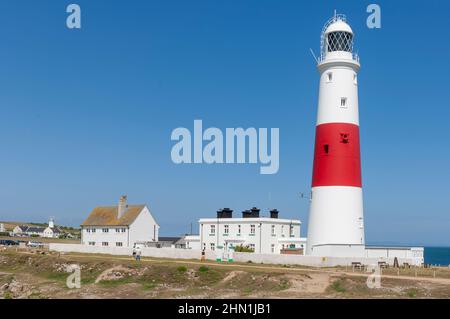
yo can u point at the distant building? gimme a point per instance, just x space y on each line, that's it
49 232
168 242
263 235
119 226
2 228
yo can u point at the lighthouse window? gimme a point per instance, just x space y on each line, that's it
355 79
344 138
326 148
340 41
343 102
329 77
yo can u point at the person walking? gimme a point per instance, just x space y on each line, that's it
138 254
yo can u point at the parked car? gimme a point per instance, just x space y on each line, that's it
8 242
35 244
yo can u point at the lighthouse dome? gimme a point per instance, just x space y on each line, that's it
337 36
339 25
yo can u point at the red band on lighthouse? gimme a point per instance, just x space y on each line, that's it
337 160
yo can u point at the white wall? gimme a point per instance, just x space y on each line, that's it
111 237
238 257
144 228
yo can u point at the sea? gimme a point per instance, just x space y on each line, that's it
437 256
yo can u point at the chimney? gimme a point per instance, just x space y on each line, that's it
225 213
246 214
274 213
255 212
122 207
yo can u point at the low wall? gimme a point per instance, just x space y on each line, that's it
312 261
127 251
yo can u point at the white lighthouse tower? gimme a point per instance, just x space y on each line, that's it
336 226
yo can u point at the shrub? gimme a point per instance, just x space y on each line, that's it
411 293
337 286
8 295
182 269
203 269
242 249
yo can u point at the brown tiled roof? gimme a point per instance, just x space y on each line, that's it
107 216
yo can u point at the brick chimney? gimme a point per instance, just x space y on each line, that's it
122 207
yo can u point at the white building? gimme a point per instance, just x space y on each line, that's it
263 235
51 231
119 226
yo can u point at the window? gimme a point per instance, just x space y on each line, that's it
273 229
88 230
252 229
326 149
93 230
105 243
282 231
105 230
345 138
226 229
119 244
272 248
340 41
124 230
343 102
213 229
291 231
117 230
212 246
92 243
329 77
239 229
355 79
252 247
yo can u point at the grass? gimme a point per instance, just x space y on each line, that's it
148 286
203 269
338 286
411 293
284 284
116 282
7 295
182 268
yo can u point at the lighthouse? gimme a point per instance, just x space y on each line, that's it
336 225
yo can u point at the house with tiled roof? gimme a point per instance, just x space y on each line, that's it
51 231
119 226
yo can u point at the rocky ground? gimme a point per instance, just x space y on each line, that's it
41 274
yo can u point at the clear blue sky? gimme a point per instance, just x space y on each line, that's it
86 115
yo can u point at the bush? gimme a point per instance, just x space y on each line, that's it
411 293
203 269
182 269
337 286
7 295
242 249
